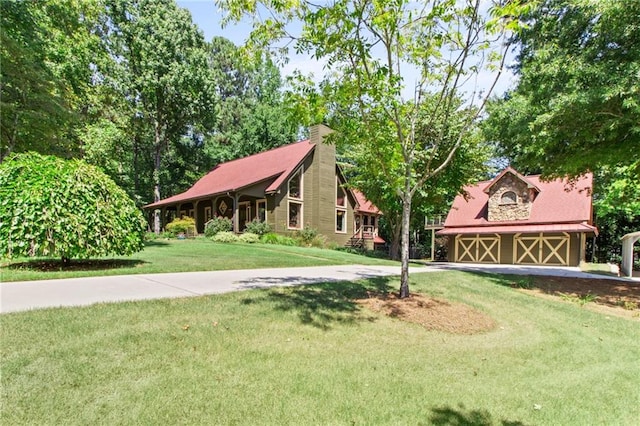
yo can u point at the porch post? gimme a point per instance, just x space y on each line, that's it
433 248
236 213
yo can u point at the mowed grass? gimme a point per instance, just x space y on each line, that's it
311 356
185 256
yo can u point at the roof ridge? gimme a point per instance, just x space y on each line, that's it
262 152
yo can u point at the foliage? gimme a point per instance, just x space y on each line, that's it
273 238
249 238
185 225
306 235
46 50
319 241
225 237
577 103
258 227
251 116
67 209
217 224
365 46
163 74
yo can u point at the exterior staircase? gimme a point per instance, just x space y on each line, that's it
355 242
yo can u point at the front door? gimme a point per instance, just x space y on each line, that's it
244 215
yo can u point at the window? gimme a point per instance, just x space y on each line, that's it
509 197
261 210
207 214
341 199
295 185
341 220
295 215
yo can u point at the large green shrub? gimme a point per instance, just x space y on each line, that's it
217 224
257 227
306 236
186 226
64 208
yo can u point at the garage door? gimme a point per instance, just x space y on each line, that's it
540 249
478 248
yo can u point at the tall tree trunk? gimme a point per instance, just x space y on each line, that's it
404 253
396 235
156 176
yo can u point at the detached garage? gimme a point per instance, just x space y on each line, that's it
516 219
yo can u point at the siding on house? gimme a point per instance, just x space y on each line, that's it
226 189
521 219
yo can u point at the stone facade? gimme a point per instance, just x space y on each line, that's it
501 206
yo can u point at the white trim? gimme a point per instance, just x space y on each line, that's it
258 202
300 215
344 194
300 172
344 221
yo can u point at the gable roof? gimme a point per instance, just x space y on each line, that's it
512 171
364 205
559 206
277 164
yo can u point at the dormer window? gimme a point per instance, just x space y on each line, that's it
509 197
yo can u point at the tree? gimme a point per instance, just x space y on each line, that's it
577 103
576 107
64 208
367 44
252 116
375 174
162 73
46 49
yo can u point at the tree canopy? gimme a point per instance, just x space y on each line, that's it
367 45
576 107
64 208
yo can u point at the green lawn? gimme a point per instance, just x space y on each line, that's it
311 356
187 255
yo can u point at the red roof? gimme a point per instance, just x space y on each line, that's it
276 164
364 205
559 206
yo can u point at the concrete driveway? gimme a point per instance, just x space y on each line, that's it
26 295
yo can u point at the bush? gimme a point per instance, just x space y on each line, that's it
257 227
225 237
217 224
64 208
273 238
306 235
186 226
319 241
250 238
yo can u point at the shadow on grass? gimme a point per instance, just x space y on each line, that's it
324 305
155 243
55 265
447 416
602 291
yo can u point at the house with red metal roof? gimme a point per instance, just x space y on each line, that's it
516 219
290 187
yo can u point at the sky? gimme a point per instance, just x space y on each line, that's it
206 16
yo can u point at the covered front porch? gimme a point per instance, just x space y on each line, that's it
240 208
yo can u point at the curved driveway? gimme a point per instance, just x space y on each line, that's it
26 295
